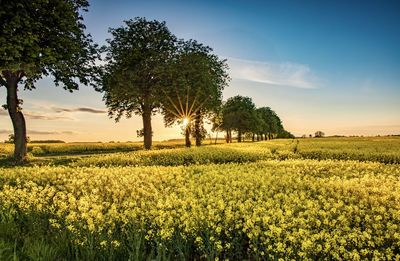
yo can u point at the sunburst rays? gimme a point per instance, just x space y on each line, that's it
184 108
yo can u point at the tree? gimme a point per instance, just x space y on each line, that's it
284 134
197 78
41 38
319 134
258 126
239 115
135 73
272 124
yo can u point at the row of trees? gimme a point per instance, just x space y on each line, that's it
239 114
147 70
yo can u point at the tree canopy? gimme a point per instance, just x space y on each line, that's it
197 79
135 75
240 114
41 38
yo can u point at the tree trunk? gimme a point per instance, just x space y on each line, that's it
188 143
147 130
253 138
17 118
216 137
197 128
239 136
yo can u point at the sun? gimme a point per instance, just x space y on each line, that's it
185 121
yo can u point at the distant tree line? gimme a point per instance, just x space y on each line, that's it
11 140
239 114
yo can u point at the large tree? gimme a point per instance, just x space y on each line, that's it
197 79
239 114
134 77
41 38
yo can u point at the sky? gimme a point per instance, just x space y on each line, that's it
332 66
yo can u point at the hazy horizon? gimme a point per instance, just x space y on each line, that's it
332 66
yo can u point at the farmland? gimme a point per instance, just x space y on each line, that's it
328 198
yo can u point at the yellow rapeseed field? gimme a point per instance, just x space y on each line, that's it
266 209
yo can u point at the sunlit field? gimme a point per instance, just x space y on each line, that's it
328 198
211 99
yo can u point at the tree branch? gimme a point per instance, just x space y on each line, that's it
20 75
2 81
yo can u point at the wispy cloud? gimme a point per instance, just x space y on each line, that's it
79 109
39 116
36 116
282 74
48 113
51 132
36 132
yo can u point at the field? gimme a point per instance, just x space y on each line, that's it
328 198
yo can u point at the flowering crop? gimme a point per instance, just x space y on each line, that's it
292 209
176 157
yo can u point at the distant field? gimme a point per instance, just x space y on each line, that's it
328 198
380 149
40 149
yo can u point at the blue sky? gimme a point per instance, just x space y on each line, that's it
321 65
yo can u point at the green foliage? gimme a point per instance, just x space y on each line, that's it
197 79
40 38
134 75
272 123
6 250
238 113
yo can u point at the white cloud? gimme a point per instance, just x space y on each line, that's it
283 74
